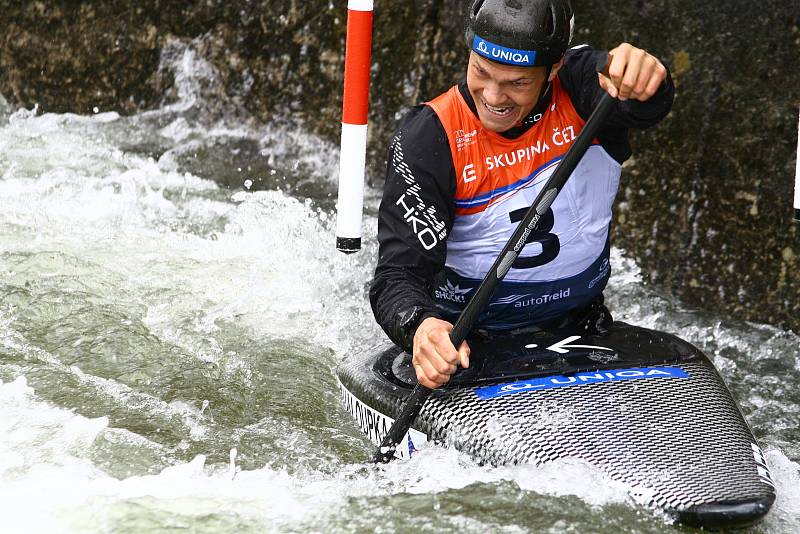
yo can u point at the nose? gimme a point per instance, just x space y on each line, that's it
493 94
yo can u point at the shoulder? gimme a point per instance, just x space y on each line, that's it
581 64
585 56
420 131
427 119
419 152
421 119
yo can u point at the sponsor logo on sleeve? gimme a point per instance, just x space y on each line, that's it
416 212
425 234
451 292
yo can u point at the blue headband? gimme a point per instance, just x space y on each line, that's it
501 54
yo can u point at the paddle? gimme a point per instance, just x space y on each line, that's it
529 223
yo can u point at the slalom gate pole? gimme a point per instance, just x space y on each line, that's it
797 177
352 161
416 399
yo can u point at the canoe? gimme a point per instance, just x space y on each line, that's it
645 407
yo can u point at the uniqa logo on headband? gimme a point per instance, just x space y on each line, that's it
510 56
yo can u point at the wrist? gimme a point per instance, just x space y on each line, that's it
421 319
410 321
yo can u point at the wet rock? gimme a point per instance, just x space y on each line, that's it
704 206
280 60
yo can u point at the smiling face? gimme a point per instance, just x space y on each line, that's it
504 94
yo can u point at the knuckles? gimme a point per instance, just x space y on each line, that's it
435 336
633 72
430 378
434 357
445 368
615 71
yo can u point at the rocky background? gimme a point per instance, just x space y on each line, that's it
706 203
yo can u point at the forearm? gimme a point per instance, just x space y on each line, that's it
414 218
400 301
636 114
580 78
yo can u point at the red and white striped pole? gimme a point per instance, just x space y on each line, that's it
354 125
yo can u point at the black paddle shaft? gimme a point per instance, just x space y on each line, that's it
528 225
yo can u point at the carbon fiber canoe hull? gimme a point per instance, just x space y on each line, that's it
645 407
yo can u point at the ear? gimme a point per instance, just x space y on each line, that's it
554 70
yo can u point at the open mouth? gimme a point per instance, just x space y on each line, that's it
498 111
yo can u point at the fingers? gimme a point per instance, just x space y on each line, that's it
463 355
655 81
632 73
617 60
435 358
607 85
430 375
646 70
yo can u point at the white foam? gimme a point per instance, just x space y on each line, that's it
45 474
40 456
127 214
434 470
785 514
55 445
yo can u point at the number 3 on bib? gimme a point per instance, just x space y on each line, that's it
550 243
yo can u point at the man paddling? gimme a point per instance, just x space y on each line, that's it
464 167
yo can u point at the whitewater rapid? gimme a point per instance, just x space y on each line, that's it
172 309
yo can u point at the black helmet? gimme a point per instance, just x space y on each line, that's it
527 33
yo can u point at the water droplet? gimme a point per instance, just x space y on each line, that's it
232 470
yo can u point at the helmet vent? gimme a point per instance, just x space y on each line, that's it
476 7
550 22
541 26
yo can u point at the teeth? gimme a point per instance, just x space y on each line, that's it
497 111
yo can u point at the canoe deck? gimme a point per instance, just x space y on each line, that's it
645 407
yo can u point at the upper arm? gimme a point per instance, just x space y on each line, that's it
416 213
